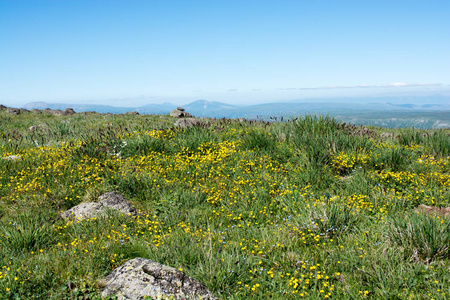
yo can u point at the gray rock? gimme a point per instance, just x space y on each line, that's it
187 122
23 110
69 111
180 108
141 277
13 111
2 107
36 111
177 113
108 201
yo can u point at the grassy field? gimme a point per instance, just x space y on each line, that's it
309 208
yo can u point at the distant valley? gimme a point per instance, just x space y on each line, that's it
392 112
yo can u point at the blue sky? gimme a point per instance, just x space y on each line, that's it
133 52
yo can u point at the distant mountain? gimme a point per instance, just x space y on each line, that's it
204 108
164 108
158 109
208 105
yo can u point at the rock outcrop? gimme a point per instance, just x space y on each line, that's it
180 113
108 201
141 277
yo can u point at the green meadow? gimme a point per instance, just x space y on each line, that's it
306 208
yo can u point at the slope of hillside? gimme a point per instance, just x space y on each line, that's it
310 208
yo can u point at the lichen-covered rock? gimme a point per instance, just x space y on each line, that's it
111 200
187 122
141 277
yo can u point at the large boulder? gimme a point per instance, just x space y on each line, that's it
2 107
108 201
141 277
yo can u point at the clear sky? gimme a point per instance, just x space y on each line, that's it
244 51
